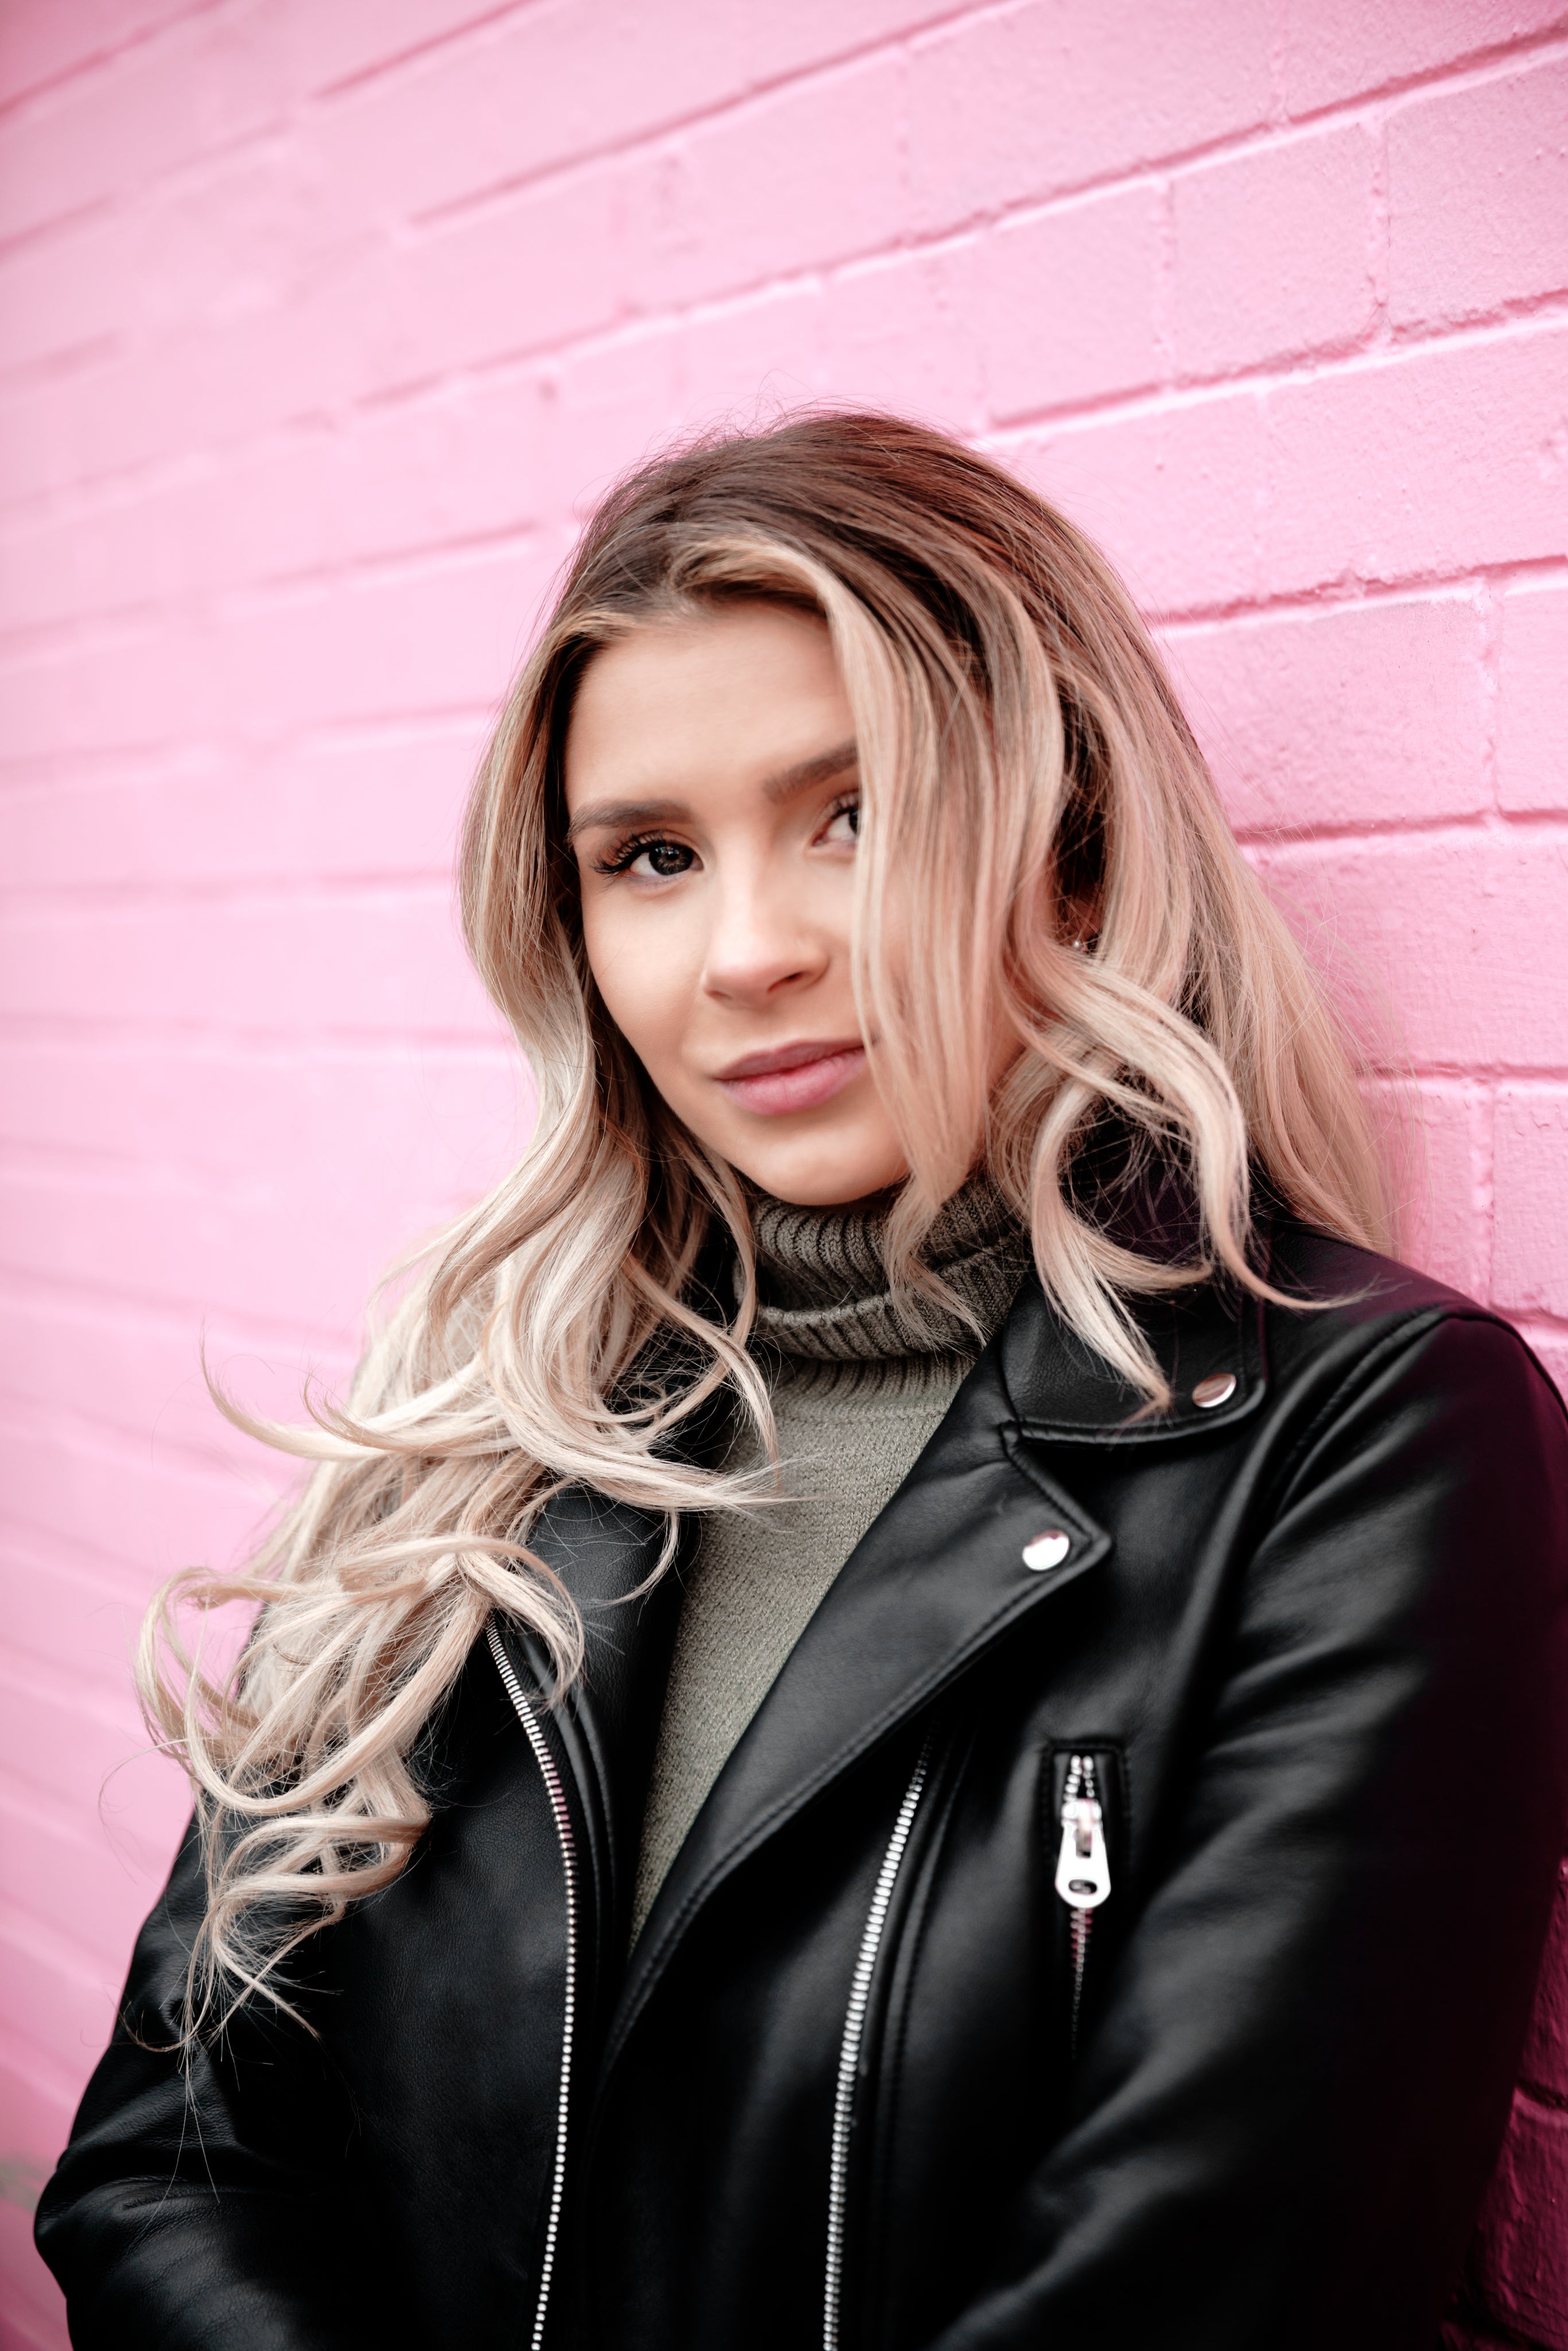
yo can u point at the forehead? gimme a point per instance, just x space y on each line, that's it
751 687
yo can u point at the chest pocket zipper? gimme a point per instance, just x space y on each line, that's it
1083 1868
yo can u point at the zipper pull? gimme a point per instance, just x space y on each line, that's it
1083 1867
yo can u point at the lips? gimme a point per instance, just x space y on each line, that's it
793 1077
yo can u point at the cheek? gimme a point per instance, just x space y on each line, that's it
640 970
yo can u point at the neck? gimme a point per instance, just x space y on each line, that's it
825 1294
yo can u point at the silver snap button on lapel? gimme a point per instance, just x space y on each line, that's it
1048 1549
1217 1388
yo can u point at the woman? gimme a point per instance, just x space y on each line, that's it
912 1706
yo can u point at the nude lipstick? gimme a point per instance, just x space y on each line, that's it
793 1077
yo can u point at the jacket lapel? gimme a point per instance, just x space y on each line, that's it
604 1553
938 1577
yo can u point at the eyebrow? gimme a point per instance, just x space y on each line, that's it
783 785
807 772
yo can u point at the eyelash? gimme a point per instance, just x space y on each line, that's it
625 854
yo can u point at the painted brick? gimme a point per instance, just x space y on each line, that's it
666 71
106 692
525 275
391 642
69 294
1025 100
37 2109
1521 2258
44 1978
1478 196
1549 1347
59 570
1273 252
140 1519
61 1879
212 80
38 1695
384 961
1338 48
273 1188
1532 726
1544 2066
613 72
1460 937
424 642
901 331
1036 279
321 330
67 430
1433 462
1363 713
1435 1134
1530 1273
419 475
811 176
151 1388
600 411
35 2322
332 48
451 1120
40 46
186 1246
374 803
776 41
324 324
743 360
1172 495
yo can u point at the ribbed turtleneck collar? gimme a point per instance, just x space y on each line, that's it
822 1285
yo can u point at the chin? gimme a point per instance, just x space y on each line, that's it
823 1175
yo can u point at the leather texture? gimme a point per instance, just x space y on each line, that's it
1316 1637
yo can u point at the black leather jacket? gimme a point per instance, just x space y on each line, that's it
1311 1637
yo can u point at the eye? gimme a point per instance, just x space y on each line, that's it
843 824
651 859
663 858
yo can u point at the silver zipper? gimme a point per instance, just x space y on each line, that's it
1083 1868
849 2047
530 1720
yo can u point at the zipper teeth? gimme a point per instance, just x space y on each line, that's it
1083 1920
1081 1781
849 2048
530 1720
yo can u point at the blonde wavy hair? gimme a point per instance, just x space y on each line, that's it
1041 852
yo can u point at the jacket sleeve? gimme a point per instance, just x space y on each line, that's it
1299 2070
199 2208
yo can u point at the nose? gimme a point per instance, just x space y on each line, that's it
758 945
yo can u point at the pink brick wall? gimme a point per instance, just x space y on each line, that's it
321 318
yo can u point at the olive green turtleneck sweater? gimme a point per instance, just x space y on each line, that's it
856 1394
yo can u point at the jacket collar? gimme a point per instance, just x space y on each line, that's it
1208 1341
937 1579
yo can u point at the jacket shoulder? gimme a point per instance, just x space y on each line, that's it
1357 1306
1333 1274
1224 1350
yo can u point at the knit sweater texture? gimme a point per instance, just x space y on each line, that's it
857 1390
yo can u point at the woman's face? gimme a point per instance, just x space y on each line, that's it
712 795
